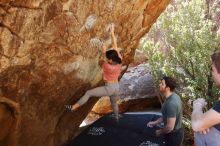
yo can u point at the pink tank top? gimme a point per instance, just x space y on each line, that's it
111 72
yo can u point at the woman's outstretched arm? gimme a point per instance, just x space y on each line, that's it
114 41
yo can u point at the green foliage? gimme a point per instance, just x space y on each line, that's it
183 47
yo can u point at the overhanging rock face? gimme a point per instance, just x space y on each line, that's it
48 57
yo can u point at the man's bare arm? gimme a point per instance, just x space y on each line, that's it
169 127
203 121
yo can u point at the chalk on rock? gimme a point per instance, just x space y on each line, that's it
96 43
90 21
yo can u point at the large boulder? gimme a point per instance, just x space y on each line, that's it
49 52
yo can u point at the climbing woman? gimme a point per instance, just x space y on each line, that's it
111 69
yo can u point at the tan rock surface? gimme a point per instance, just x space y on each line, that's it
49 52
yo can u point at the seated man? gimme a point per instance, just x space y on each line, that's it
171 114
207 125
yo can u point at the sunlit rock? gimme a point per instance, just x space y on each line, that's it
48 58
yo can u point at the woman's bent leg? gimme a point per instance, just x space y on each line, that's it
96 92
